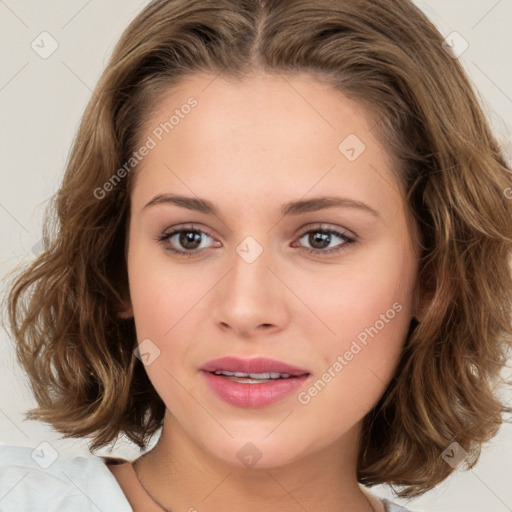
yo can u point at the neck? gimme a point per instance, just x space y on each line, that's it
183 476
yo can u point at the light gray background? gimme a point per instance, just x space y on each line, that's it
41 103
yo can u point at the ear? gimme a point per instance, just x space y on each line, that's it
421 301
124 306
125 313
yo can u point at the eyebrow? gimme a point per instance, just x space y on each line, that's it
290 208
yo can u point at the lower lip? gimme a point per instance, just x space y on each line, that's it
253 395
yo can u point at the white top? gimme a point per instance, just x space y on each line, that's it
38 480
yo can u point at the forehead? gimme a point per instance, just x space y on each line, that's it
267 133
259 108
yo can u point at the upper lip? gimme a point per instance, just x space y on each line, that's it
253 365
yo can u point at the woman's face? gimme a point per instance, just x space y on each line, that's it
277 272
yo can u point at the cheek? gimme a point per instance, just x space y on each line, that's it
358 366
369 308
168 301
162 295
162 292
366 292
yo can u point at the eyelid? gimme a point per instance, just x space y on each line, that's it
190 226
322 226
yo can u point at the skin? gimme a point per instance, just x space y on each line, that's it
249 147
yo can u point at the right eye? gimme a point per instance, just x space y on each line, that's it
184 241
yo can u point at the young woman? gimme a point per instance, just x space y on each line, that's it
283 245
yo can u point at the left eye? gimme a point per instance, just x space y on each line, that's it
320 239
192 241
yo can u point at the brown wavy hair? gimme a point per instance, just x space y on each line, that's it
385 54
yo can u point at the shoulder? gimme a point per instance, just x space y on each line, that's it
386 505
38 480
393 507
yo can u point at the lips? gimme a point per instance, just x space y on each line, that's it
251 383
256 365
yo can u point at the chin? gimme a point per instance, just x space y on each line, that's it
258 452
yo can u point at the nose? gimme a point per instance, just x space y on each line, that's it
250 300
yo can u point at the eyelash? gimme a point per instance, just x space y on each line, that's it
191 253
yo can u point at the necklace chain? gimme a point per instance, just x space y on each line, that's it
157 502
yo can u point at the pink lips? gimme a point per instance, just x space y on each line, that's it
255 365
256 394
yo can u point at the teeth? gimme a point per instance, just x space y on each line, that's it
261 376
